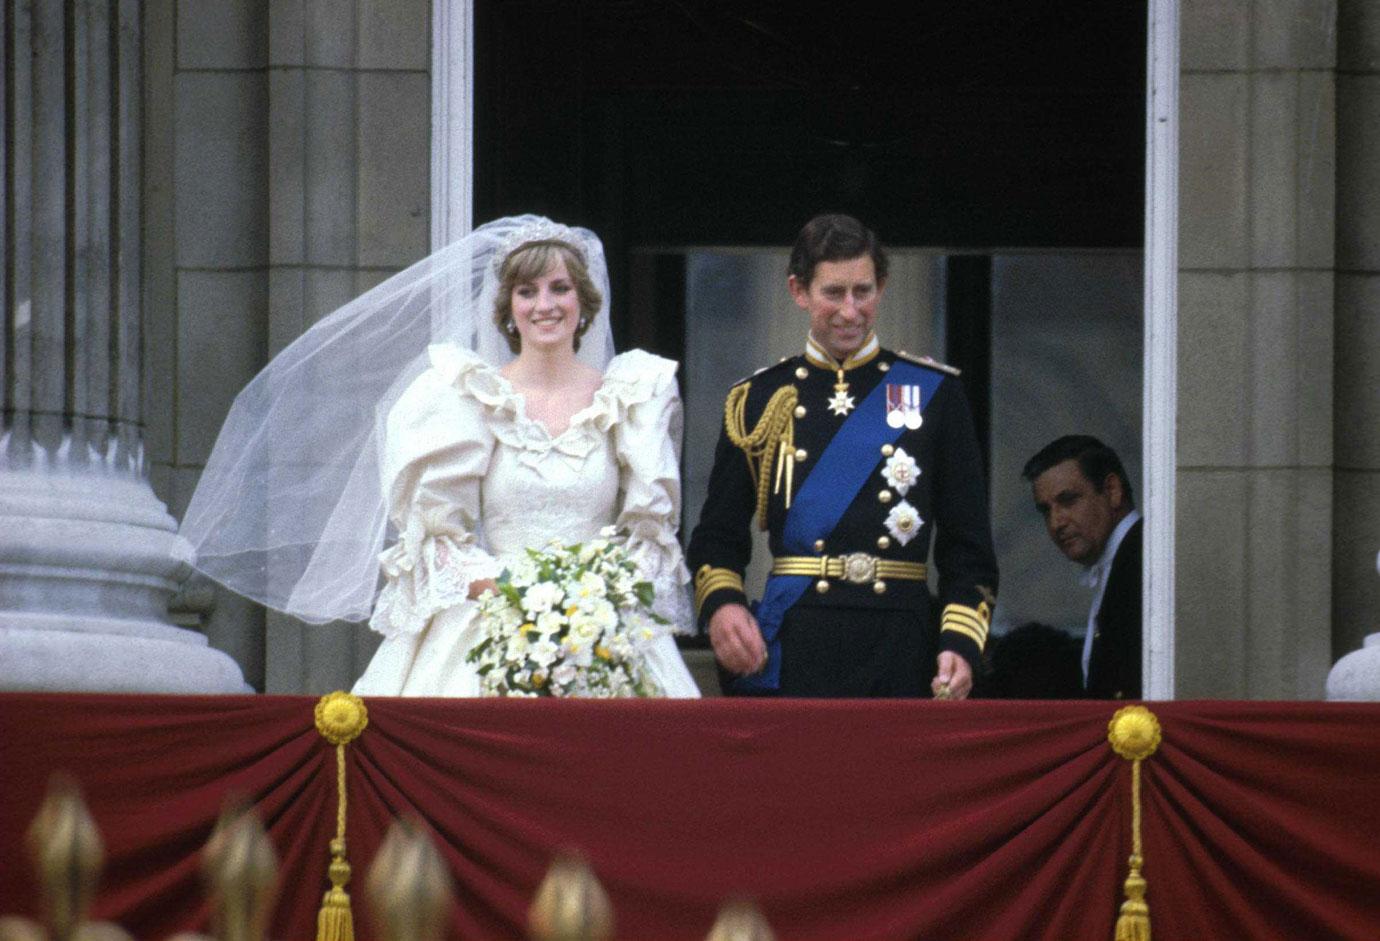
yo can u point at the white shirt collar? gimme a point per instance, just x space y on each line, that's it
1095 576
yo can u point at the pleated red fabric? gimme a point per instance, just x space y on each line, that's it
843 821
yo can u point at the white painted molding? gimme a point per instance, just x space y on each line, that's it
452 120
1160 421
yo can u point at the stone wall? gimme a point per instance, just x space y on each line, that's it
287 170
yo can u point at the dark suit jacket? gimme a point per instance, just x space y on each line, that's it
1114 665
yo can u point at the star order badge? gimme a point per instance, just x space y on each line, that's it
842 403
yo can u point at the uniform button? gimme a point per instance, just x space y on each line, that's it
822 585
884 496
819 545
801 372
887 450
800 411
879 587
883 366
884 542
801 454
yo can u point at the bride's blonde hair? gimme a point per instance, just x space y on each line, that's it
529 262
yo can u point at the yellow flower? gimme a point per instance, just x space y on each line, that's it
570 611
528 628
602 652
538 680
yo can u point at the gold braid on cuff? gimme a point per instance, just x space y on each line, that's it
709 580
771 441
972 623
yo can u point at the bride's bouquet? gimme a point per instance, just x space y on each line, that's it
568 621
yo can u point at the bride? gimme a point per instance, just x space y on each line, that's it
466 409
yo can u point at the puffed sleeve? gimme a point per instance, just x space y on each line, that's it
437 450
647 442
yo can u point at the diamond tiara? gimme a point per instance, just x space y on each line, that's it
539 229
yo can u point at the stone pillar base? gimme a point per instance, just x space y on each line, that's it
89 559
88 661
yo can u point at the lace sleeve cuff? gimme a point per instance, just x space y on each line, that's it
430 568
659 560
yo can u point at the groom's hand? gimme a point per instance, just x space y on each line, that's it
955 677
736 640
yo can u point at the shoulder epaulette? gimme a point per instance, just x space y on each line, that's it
931 363
768 368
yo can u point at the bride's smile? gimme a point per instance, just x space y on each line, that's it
546 309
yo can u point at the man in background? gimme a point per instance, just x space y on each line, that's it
1085 497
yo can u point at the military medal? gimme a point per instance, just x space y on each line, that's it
903 406
842 403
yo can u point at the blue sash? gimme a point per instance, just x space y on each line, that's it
824 496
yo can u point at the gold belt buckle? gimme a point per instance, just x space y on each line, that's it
859 568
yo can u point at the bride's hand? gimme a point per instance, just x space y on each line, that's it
481 585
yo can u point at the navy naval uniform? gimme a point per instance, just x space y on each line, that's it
852 468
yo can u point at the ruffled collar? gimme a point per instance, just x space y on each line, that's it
629 379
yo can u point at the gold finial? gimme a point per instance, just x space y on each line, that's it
740 921
14 928
67 852
340 717
409 887
241 872
571 904
1134 732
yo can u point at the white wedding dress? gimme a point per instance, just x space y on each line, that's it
471 482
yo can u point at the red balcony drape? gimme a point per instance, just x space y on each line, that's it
844 821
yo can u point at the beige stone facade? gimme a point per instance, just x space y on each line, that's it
286 167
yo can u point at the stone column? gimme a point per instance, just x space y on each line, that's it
88 554
1255 457
1356 483
349 196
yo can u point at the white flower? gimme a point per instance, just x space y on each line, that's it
542 596
523 573
517 647
608 532
550 622
903 522
901 471
590 588
584 629
543 652
564 674
604 615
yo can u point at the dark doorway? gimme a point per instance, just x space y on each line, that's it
946 123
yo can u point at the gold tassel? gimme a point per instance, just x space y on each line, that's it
1134 734
340 718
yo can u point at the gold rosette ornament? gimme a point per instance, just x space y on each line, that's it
340 718
1134 734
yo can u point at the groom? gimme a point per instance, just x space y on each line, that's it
851 456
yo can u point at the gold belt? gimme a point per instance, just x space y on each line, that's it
856 567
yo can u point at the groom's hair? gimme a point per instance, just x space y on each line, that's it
834 237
